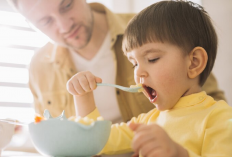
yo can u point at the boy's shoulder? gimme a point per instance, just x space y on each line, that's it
220 111
220 104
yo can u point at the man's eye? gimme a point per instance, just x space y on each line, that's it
45 22
153 60
67 5
48 21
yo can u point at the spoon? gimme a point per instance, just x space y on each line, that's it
127 89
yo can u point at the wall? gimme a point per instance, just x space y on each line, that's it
221 12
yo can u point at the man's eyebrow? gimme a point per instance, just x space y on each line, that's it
62 2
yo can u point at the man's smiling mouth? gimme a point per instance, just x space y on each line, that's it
151 93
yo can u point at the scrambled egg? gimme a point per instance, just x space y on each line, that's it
85 120
138 85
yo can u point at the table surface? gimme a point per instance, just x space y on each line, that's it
19 154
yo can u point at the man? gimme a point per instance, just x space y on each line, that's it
85 37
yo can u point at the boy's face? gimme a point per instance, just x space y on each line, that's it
164 68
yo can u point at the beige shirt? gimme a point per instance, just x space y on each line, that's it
48 75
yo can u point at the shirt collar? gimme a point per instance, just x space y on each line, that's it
191 100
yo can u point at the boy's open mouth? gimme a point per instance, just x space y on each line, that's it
151 93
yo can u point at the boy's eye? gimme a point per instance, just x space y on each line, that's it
153 60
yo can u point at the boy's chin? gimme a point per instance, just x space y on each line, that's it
159 107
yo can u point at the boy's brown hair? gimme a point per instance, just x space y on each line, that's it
181 23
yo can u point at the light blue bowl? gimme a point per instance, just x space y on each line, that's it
60 137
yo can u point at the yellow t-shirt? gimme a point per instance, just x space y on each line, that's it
197 122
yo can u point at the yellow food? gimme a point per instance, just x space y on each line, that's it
85 120
138 85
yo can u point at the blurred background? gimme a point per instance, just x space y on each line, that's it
18 43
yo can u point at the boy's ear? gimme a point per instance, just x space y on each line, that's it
198 61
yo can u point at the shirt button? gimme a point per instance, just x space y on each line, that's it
118 92
201 97
49 102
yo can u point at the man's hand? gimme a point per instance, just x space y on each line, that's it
82 83
152 141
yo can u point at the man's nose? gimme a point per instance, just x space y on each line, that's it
64 24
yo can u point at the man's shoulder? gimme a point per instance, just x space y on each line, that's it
42 56
126 16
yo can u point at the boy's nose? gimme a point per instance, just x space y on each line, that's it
141 72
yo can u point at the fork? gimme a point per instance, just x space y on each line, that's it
127 89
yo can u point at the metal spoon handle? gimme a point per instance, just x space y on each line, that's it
127 89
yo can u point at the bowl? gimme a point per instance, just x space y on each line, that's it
61 137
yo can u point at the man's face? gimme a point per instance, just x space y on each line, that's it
164 69
67 22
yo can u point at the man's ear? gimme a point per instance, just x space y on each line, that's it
198 61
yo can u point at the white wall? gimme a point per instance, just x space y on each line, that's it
221 14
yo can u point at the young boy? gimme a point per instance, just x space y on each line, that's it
172 46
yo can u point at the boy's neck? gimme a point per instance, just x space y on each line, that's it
192 90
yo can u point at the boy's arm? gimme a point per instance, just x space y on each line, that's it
121 136
81 86
218 133
84 104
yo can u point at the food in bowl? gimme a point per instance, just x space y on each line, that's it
85 121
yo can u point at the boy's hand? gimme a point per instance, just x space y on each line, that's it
82 83
152 141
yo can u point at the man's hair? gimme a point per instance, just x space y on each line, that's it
181 23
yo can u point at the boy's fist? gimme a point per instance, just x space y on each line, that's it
82 83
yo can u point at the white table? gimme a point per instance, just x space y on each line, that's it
19 154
